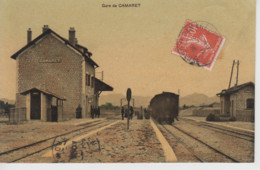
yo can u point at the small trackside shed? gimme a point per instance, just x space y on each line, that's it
238 101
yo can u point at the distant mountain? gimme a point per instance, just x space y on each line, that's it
195 99
7 100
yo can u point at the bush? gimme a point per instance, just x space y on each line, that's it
212 117
109 106
232 118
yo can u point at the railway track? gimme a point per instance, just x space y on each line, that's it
185 145
223 130
217 155
207 145
26 151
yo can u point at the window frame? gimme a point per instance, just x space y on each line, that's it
250 104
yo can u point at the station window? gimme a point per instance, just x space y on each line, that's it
87 80
250 103
92 82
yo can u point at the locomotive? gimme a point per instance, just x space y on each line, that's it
164 107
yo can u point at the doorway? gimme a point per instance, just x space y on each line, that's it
54 113
35 106
86 113
232 107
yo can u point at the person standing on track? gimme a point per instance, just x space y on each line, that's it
122 112
131 112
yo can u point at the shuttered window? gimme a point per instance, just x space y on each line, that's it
87 80
250 103
92 82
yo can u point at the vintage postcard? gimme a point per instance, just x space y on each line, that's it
127 81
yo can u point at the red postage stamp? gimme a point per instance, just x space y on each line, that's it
198 45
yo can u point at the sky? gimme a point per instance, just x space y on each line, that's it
133 45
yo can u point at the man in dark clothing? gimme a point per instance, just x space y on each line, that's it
98 111
92 112
131 112
126 112
122 112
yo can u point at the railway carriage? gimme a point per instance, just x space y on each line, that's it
165 107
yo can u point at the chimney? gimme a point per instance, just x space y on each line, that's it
29 35
76 41
72 37
45 28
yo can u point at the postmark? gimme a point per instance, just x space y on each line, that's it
197 45
66 150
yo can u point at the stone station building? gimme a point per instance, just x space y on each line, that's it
55 76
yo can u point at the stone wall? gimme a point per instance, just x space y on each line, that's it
239 99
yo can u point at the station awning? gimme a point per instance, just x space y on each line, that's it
101 86
35 89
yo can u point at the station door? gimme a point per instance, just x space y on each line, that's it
36 105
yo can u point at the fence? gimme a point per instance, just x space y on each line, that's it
17 115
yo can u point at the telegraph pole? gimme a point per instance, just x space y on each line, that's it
237 72
237 63
231 74
102 75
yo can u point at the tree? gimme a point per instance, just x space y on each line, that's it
108 106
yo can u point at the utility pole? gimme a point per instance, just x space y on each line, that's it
237 63
231 74
237 72
102 75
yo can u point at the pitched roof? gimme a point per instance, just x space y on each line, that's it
88 59
85 49
43 91
235 89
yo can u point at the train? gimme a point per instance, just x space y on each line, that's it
164 107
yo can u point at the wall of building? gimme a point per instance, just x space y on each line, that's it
89 91
224 105
245 115
62 77
240 99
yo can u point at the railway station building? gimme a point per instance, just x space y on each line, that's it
238 101
55 76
